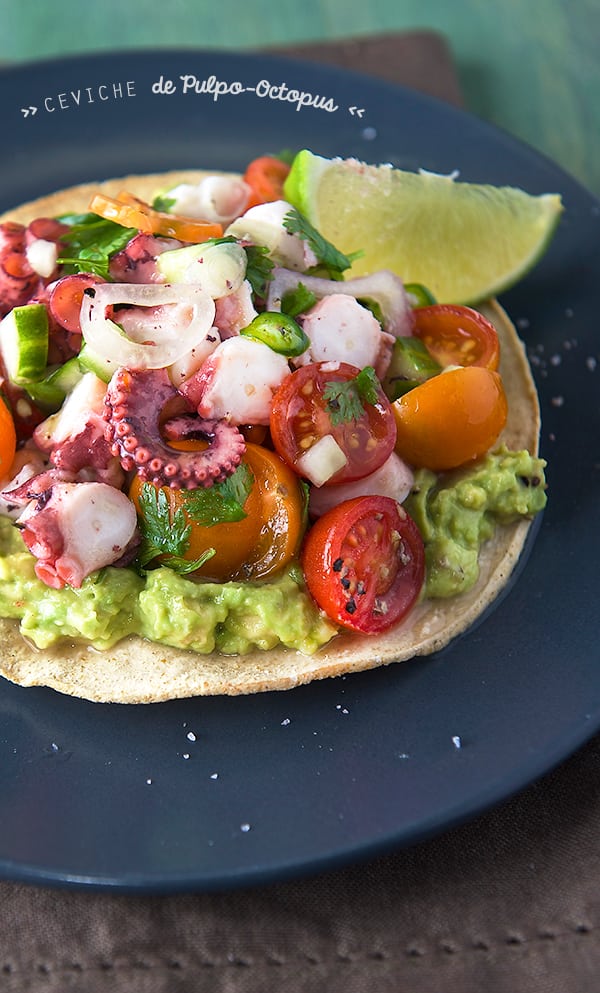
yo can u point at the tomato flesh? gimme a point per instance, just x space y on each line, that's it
131 212
262 542
455 335
450 419
364 563
301 416
265 176
66 297
8 439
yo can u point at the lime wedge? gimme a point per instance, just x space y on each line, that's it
464 242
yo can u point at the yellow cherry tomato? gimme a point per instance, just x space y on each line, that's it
266 539
450 419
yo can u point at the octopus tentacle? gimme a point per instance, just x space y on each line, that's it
135 401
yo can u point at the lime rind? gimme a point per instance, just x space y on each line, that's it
466 242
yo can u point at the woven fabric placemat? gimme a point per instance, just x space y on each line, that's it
509 903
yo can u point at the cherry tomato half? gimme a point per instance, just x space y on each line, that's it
8 439
131 212
65 298
450 419
364 563
266 176
301 415
266 539
456 335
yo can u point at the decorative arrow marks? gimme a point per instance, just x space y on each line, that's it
356 110
26 111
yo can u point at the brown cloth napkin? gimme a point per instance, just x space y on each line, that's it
509 903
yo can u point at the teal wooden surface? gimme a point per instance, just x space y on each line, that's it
530 66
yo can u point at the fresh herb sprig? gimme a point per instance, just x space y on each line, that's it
91 241
328 255
167 533
345 400
297 301
222 503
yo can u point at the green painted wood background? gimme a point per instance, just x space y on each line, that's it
530 66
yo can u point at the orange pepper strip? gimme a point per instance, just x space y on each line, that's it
131 212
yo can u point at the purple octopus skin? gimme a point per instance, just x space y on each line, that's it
136 263
18 281
135 404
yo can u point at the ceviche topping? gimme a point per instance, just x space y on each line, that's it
193 385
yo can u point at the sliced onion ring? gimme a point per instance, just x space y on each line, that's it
384 287
157 344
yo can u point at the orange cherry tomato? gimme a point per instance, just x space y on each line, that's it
450 419
8 439
456 335
266 539
266 176
131 212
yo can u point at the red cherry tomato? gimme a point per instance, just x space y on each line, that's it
451 419
301 415
364 563
65 298
266 176
456 335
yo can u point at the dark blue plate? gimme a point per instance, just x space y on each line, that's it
212 793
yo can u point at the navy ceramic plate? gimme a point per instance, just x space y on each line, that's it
212 793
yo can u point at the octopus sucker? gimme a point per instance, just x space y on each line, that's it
134 408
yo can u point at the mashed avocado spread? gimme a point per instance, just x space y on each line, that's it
458 511
455 513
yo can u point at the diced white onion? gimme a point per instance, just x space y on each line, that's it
155 340
42 256
322 460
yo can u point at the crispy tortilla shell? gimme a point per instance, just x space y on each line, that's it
139 671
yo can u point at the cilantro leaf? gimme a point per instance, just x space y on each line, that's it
163 202
259 270
345 399
91 241
164 533
295 223
223 502
297 301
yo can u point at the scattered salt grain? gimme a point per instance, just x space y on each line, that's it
591 363
369 134
214 775
557 401
245 828
555 360
523 323
191 736
285 722
456 741
186 755
149 782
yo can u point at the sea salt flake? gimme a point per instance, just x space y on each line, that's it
456 741
186 755
191 736
214 775
245 828
285 722
149 782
